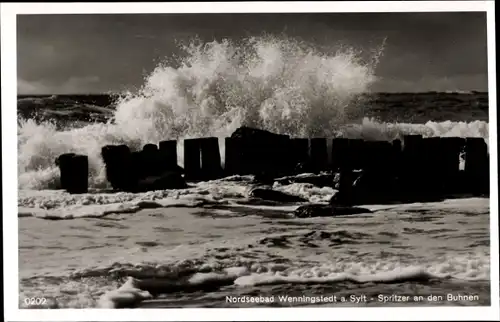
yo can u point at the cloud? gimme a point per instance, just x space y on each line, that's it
57 52
73 85
80 84
31 87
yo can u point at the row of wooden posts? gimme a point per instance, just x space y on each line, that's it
414 157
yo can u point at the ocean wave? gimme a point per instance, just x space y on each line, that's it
473 267
277 84
127 285
63 110
64 206
40 144
214 266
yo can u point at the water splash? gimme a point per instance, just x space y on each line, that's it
278 84
274 83
281 85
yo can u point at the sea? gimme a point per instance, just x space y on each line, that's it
211 244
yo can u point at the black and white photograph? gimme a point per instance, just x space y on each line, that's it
252 159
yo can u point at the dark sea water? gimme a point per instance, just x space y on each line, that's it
207 245
396 107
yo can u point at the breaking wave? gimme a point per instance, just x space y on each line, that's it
147 281
274 83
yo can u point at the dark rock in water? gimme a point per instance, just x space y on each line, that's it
377 187
321 210
264 178
176 283
365 187
266 193
344 183
319 180
302 167
168 180
260 202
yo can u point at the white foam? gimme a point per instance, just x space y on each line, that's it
267 82
128 295
55 204
469 268
371 129
307 191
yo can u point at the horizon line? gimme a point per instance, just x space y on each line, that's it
367 93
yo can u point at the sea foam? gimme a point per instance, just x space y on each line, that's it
274 83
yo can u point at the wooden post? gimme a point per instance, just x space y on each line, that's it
210 159
74 172
339 154
356 155
151 164
168 150
450 160
319 154
411 173
64 164
477 165
119 171
299 150
232 160
192 159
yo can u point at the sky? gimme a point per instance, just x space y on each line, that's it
77 54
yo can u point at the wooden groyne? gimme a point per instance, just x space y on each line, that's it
421 166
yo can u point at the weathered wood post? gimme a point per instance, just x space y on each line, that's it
168 151
319 154
477 165
211 166
192 159
74 171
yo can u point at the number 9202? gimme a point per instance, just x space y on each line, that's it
35 301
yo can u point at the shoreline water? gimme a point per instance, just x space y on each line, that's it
450 238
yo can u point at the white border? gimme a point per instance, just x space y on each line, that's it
9 153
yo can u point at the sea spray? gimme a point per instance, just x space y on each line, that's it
280 85
274 83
